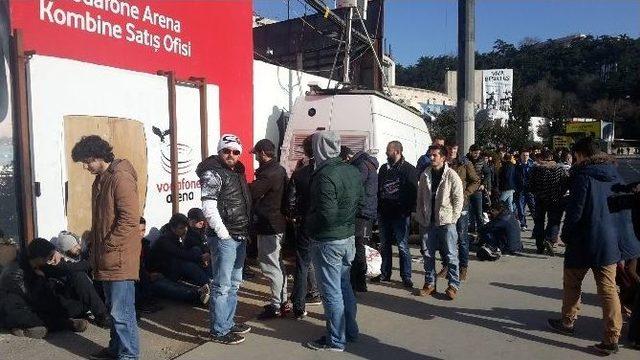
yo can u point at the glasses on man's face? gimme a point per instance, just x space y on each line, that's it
229 151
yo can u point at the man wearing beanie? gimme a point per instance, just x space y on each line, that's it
226 203
114 242
337 195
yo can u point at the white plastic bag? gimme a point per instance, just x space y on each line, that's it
374 261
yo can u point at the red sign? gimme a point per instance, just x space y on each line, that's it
210 39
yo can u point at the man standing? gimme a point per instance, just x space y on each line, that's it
425 160
114 243
336 198
267 192
475 200
397 186
226 204
523 195
298 202
548 184
368 167
596 239
470 184
440 202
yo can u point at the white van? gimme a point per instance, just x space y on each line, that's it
365 119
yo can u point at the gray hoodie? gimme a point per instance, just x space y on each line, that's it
326 145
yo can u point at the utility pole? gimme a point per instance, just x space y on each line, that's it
347 47
466 74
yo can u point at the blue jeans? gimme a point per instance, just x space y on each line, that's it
189 271
332 262
507 197
227 260
522 199
462 227
475 211
120 301
395 230
444 239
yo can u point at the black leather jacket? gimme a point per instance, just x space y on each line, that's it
229 188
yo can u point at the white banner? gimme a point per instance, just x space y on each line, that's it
497 89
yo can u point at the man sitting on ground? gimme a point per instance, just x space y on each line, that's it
173 259
68 244
196 235
502 231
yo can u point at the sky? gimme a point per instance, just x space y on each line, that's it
429 27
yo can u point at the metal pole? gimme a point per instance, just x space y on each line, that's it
466 74
347 48
173 136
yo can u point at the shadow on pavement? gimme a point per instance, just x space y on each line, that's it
551 293
74 343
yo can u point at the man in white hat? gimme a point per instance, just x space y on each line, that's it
226 203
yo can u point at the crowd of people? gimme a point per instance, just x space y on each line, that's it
330 207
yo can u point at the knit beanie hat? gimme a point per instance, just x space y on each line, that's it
65 241
229 141
40 248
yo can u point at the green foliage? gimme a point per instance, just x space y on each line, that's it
594 77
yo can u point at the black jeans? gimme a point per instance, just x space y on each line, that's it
476 218
79 288
359 264
553 216
304 279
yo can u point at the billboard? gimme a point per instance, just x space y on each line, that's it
593 128
497 89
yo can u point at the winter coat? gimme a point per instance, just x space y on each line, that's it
548 182
197 239
397 187
368 167
114 240
596 236
503 231
483 170
168 248
424 162
267 194
522 175
467 173
507 176
229 189
449 198
298 192
337 195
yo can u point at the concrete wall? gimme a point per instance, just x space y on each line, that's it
412 96
451 86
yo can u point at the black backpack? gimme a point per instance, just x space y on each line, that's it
486 253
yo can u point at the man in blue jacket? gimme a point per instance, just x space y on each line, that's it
596 239
523 195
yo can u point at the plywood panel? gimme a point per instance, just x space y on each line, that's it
129 142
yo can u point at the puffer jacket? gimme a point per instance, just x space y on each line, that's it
267 195
229 188
449 198
368 167
115 239
548 183
595 235
337 195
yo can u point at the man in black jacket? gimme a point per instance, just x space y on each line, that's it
397 189
173 259
196 235
368 166
267 192
298 196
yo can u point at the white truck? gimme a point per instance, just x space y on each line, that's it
365 119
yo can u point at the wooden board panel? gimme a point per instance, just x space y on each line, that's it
129 142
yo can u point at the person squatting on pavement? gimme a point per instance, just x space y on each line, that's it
595 239
440 201
226 203
337 195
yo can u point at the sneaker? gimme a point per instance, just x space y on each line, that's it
36 332
606 349
229 339
205 294
299 315
270 312
77 325
558 326
103 354
240 329
379 278
427 290
314 300
524 228
286 308
463 273
321 345
443 273
407 283
548 248
451 292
